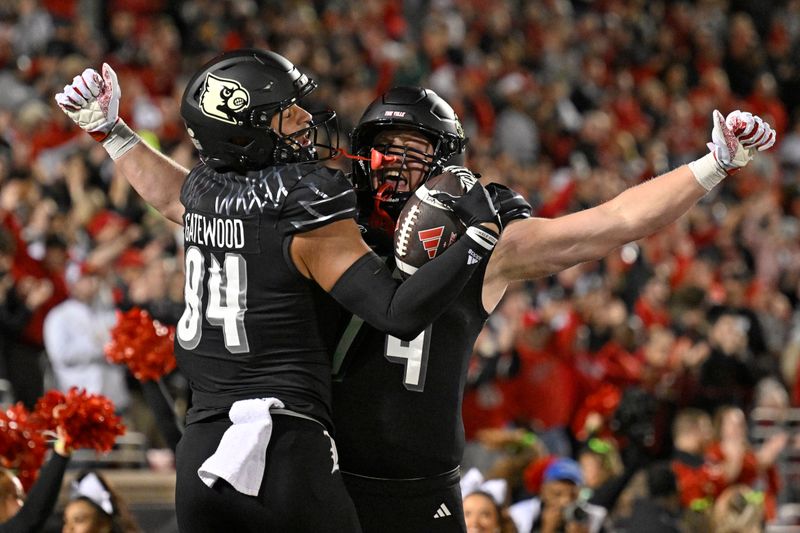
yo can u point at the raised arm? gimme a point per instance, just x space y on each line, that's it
92 102
538 247
157 178
43 495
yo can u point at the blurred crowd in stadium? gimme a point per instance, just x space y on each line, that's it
669 371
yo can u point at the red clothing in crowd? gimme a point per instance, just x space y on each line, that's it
487 406
651 315
749 475
24 266
51 135
546 389
63 9
697 480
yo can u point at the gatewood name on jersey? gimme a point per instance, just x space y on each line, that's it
213 232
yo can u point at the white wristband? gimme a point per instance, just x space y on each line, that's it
120 139
482 236
707 171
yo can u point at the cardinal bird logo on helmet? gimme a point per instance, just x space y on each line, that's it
222 98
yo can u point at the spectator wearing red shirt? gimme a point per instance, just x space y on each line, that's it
490 389
740 462
488 395
42 288
546 389
651 306
698 482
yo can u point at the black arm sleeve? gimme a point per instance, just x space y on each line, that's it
42 499
404 310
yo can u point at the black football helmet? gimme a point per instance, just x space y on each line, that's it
228 108
405 108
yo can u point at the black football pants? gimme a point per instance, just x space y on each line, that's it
425 505
299 492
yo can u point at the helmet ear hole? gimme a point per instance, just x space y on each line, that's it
262 119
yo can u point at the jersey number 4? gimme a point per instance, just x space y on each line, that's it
414 355
227 300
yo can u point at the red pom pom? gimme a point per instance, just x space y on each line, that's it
22 445
47 407
144 345
85 420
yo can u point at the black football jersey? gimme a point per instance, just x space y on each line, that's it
253 326
396 404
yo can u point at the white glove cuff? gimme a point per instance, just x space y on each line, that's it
707 171
120 139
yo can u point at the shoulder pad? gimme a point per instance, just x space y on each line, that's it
320 197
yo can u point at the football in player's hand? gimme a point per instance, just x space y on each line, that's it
427 227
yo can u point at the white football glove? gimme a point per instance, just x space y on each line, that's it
751 130
92 101
736 138
734 142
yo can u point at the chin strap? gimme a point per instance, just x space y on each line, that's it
341 152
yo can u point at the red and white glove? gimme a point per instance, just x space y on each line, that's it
92 102
735 141
751 130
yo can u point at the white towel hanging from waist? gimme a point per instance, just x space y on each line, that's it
240 457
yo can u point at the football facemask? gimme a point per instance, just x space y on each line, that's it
318 141
395 171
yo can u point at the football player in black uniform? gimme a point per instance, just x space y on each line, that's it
272 254
397 405
398 402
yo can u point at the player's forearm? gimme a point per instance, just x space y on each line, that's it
649 207
42 498
156 178
539 247
405 310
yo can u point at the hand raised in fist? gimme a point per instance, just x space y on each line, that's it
92 101
737 138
